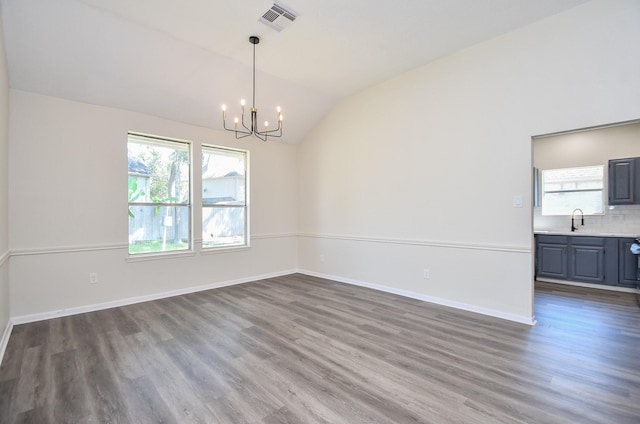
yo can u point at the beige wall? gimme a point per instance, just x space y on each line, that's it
4 186
422 170
68 208
590 147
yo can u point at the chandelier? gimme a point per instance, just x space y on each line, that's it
241 129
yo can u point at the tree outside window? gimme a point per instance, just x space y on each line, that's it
159 196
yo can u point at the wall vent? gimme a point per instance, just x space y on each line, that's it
278 17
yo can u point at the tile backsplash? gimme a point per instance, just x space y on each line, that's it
619 220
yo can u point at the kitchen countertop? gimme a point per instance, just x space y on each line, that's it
584 233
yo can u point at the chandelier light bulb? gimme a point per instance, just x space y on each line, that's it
266 124
242 102
224 108
278 109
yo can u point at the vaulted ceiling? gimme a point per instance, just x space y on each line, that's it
181 60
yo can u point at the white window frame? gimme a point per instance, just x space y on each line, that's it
571 185
168 142
208 148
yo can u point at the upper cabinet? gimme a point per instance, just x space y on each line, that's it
624 181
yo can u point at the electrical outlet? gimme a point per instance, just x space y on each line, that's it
93 278
426 274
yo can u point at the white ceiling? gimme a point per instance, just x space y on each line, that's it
182 59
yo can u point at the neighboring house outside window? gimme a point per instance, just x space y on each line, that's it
224 197
566 189
159 194
139 180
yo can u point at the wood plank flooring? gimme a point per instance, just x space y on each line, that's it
299 349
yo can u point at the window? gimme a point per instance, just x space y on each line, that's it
224 197
564 190
159 195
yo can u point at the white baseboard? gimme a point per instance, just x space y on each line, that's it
23 319
588 285
431 299
4 341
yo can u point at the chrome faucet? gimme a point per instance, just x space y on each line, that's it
573 227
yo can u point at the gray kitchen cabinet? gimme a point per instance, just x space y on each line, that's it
578 258
551 256
624 181
586 261
628 263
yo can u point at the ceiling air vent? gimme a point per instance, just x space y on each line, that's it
278 17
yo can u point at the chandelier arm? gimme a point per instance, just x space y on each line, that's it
244 125
244 134
271 133
235 130
224 125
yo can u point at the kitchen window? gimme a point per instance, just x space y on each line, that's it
225 214
565 189
159 183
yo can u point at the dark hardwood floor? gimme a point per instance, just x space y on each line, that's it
300 349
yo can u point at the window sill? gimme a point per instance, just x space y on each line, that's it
159 256
216 250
